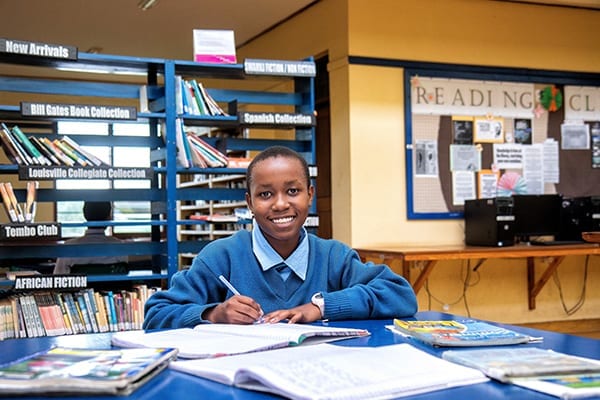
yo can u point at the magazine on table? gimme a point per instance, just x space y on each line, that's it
67 371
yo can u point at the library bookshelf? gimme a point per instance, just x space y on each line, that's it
261 109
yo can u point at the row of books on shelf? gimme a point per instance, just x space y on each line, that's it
193 99
193 151
15 212
39 314
36 150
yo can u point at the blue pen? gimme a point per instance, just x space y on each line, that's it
237 293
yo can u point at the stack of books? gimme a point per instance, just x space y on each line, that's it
32 150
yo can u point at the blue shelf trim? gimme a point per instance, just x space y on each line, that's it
51 250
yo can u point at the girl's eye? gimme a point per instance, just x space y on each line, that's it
264 195
293 191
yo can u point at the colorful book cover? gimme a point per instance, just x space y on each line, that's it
508 363
578 386
81 371
466 332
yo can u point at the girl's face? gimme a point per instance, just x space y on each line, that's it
280 199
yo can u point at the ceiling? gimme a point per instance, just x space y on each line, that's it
121 27
163 31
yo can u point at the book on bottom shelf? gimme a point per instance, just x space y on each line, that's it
461 333
55 313
82 371
325 371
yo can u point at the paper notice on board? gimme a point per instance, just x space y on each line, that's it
487 184
508 156
464 157
463 187
575 136
426 158
533 168
551 163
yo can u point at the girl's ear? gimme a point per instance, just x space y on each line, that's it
249 201
311 193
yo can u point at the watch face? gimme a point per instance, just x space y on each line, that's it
317 300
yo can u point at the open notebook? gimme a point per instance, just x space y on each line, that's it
213 340
326 371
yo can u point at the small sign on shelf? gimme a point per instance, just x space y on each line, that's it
214 46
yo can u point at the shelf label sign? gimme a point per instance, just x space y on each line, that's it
35 49
49 173
50 282
283 119
80 111
280 68
20 232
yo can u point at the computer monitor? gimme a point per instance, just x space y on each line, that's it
536 215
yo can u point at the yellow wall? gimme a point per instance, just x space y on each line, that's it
367 128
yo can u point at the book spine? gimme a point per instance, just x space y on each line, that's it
65 314
15 204
120 311
69 153
18 310
102 316
30 200
198 97
180 144
44 312
57 315
42 148
93 159
9 149
90 304
114 326
27 160
83 312
74 311
37 317
64 159
36 156
8 206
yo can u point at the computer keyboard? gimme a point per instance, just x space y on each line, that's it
554 242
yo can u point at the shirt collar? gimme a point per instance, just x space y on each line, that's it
268 257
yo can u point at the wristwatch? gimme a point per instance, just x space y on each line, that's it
318 300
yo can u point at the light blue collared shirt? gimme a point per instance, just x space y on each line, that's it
269 258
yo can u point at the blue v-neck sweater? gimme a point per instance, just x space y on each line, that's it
351 289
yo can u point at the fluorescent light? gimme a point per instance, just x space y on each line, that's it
146 4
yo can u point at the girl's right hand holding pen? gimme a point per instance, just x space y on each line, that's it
237 309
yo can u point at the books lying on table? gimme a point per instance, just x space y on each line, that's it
213 340
547 371
578 386
326 371
84 372
460 333
504 364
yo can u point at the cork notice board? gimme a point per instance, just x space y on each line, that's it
488 133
